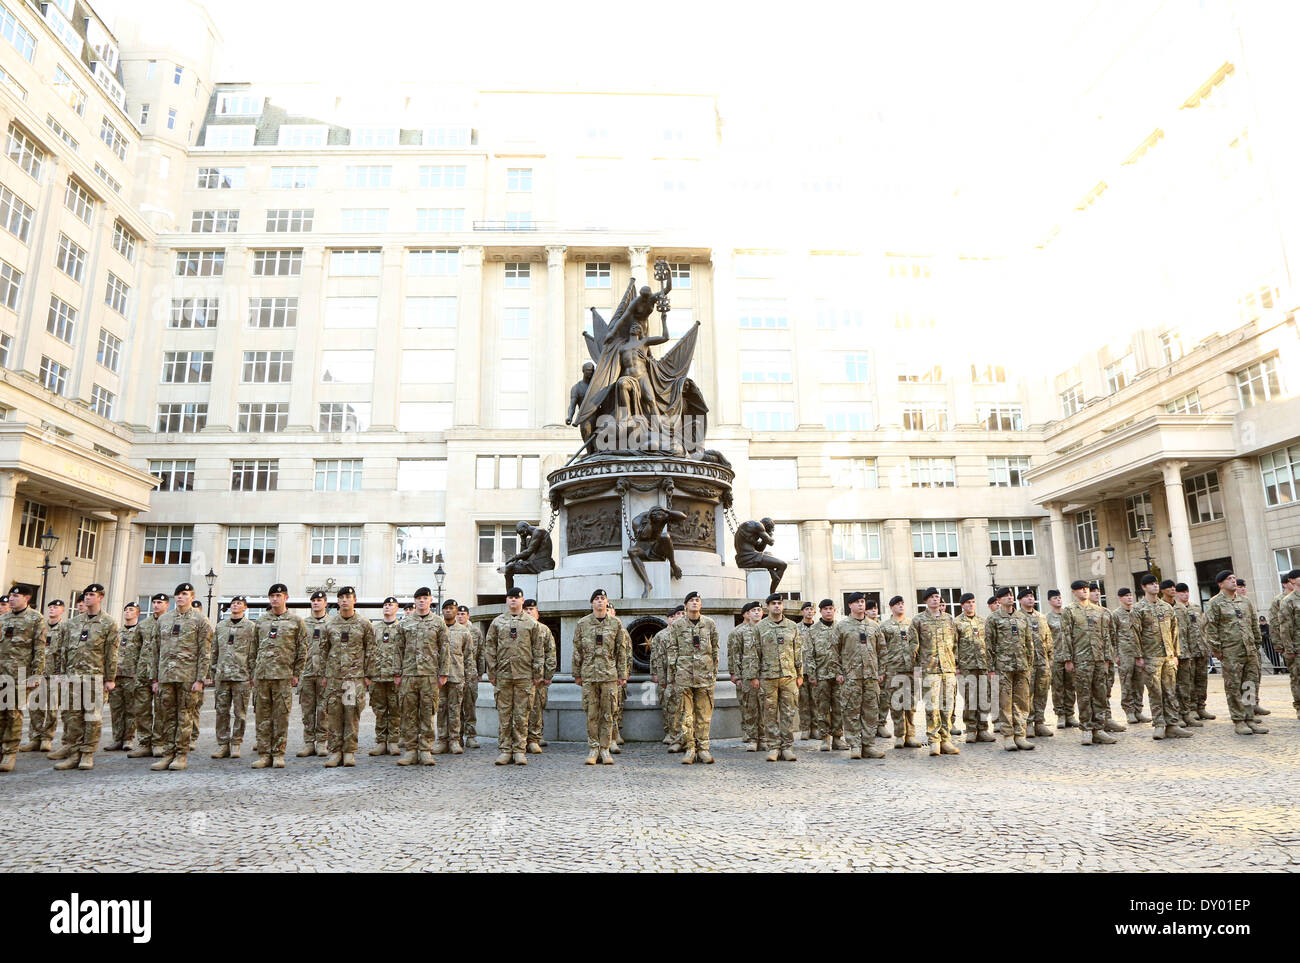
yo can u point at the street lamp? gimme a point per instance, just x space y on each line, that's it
1145 533
1110 552
64 566
48 541
212 580
992 566
439 575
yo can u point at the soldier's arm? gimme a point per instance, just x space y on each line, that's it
913 639
715 650
443 641
552 655
798 654
216 657
110 650
299 648
836 652
1049 643
623 653
1254 626
36 660
577 652
205 648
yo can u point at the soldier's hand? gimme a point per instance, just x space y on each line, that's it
753 683
109 686
622 682
577 680
812 681
655 679
492 680
197 686
1069 666
397 680
799 682
840 679
153 687
442 680
33 683
1140 662
208 680
292 681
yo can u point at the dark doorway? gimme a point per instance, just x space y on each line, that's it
1206 586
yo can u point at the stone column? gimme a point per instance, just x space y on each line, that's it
1060 548
9 482
638 257
377 554
977 553
896 538
554 371
291 548
1176 505
121 558
814 559
1243 499
469 322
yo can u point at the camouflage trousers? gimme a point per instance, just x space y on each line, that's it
344 700
750 729
673 712
513 698
120 702
780 712
1063 694
859 709
178 707
1186 686
450 697
536 713
44 719
1201 682
803 720
1161 678
598 702
140 711
901 703
232 711
271 701
940 692
1237 687
1040 683
828 716
1091 683
976 700
159 737
419 695
620 700
1013 701
11 731
311 701
1132 682
388 711
697 716
469 708
1293 666
83 720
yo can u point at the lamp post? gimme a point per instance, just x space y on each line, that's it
1145 533
992 566
439 575
212 580
1110 553
48 541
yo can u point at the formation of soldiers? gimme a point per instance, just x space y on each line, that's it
421 673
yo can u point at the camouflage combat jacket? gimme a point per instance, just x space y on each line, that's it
1009 646
551 662
1231 628
777 652
739 641
129 640
818 659
1040 632
599 653
900 653
1156 629
146 660
423 646
856 649
934 638
460 653
345 647
233 646
1183 619
184 647
1278 624
1083 634
315 628
1126 634
381 660
658 653
22 644
972 646
279 646
1054 624
90 646
695 646
515 650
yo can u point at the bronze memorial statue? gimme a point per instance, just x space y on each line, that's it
653 543
534 554
576 394
751 538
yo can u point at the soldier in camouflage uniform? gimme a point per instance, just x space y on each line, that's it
857 646
233 646
22 657
121 700
620 696
900 661
516 660
806 726
600 666
827 712
933 635
1232 630
1088 638
345 647
538 705
177 661
1011 652
694 643
738 642
1040 679
89 660
279 653
1063 695
423 652
659 675
311 687
1186 678
1254 659
775 664
1131 678
144 707
477 668
976 672
382 668
460 668
44 713
1200 657
1157 632
1283 633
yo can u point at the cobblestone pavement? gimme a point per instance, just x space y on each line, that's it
1216 801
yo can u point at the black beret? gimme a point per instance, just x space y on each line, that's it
346 590
279 587
599 593
1124 591
677 608
1293 574
852 598
462 608
992 599
238 598
1003 593
1094 587
21 590
1024 593
774 597
872 604
749 605
691 595
1181 587
94 587
928 592
184 587
1053 593
515 593
1166 584
895 600
158 597
528 604
128 605
318 594
391 598
966 597
449 603
1077 584
1241 583
806 605
1149 579
423 590
58 602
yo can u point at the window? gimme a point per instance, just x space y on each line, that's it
496 543
67 138
518 274
17 34
182 417
774 473
1011 537
251 544
1071 400
214 221
14 87
232 136
339 416
1086 534
855 541
514 322
336 544
446 137
242 104
507 471
272 312
1204 500
596 274
1140 514
303 135
176 78
1171 347
421 474
430 313
255 475
857 367
24 152
1287 558
680 272
420 366
934 540
174 475
933 472
200 264
351 263
1259 383
364 219
187 367
267 367
108 178
442 176
519 179
351 312
277 263
854 473
1002 417
926 376
934 418
423 416
124 241
947 599
111 136
988 374
831 317
759 367
764 313
362 176
101 401
54 376
261 418
294 178
338 475
1008 471
289 220
373 137
767 416
440 219
441 262
33 524
15 214
347 367
6 345
219 178
11 283
61 320
194 312
70 257
1119 373
1281 472
1188 404
420 544
849 416
168 544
